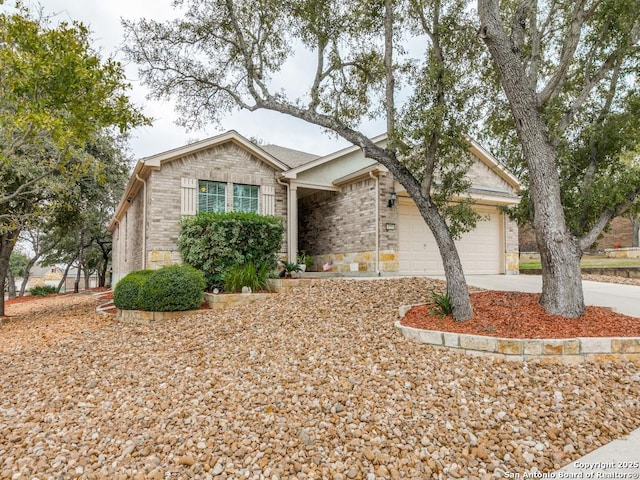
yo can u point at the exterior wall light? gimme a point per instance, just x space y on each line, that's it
392 199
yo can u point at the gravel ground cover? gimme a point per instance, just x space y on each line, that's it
314 384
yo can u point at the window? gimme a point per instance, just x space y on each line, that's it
211 196
245 198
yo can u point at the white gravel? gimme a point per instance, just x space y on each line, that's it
316 384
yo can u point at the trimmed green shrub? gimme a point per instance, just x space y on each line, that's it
216 242
247 275
43 290
125 295
172 289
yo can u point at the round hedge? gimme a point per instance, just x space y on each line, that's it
172 289
125 295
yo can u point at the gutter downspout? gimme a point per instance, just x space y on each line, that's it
377 180
289 230
144 221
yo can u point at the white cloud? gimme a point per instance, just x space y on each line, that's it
103 19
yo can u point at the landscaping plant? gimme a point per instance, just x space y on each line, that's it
290 268
43 290
172 289
125 294
214 243
441 304
247 275
304 259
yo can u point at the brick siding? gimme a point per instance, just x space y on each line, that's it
338 221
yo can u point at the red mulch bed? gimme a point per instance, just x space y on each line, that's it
519 315
30 298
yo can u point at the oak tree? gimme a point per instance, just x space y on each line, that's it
227 54
568 71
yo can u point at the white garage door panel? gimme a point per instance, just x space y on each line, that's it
480 250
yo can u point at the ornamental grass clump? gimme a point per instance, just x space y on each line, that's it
441 304
247 275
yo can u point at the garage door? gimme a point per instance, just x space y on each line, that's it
480 250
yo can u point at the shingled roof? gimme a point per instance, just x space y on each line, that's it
292 158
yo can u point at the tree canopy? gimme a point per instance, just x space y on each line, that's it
56 96
227 54
566 111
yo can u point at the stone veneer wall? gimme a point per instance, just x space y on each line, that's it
511 251
223 163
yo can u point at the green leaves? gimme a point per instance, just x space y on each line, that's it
217 242
56 95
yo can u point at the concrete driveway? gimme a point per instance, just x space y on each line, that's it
622 298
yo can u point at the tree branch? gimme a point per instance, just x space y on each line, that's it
519 25
23 187
589 85
572 38
388 67
592 235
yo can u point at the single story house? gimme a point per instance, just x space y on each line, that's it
345 210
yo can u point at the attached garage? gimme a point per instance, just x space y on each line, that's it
481 250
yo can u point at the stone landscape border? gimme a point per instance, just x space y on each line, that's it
215 301
568 351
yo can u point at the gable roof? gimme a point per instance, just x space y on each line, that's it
155 162
478 151
328 158
490 161
230 136
293 158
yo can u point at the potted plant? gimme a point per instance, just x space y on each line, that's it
289 269
305 262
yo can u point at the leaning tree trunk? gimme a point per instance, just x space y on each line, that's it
456 283
63 280
27 274
559 250
7 242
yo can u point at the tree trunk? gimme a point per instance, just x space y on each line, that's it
27 274
456 283
7 242
635 229
559 250
105 247
76 284
102 274
11 284
63 281
87 278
